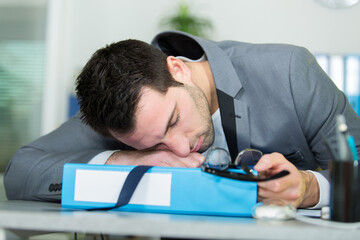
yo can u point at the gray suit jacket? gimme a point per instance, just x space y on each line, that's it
285 101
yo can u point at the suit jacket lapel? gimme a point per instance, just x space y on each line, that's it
228 83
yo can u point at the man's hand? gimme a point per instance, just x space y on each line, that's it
161 158
299 188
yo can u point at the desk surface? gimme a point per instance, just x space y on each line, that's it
50 217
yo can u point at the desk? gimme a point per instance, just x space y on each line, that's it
39 217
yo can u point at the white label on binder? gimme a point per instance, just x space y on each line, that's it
105 186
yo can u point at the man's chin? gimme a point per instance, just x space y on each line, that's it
208 139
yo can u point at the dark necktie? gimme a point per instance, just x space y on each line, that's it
227 113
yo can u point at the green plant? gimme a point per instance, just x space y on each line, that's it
186 21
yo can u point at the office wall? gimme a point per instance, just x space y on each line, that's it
78 28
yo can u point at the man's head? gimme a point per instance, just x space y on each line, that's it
135 93
109 86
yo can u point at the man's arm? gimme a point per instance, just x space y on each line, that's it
35 171
317 102
162 158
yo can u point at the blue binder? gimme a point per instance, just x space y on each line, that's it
162 190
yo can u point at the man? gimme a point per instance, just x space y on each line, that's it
165 104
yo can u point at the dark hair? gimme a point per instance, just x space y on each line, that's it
109 86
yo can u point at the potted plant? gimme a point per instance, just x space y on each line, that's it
186 21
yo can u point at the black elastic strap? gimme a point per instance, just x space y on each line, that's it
131 182
227 112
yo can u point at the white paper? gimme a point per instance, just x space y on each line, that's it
105 186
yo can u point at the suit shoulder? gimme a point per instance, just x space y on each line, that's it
235 48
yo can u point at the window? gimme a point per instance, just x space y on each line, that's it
22 52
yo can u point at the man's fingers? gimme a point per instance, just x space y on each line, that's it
275 186
288 195
263 164
194 160
268 161
168 159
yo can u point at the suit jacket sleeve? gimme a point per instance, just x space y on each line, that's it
318 102
35 171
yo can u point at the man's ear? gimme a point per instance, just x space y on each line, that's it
178 69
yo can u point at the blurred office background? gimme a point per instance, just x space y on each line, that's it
45 43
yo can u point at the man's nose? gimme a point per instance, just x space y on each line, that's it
178 144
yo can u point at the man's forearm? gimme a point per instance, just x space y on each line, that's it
162 158
122 158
